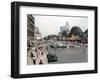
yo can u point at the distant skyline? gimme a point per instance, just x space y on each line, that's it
51 24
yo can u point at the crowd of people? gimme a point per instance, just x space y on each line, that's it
37 53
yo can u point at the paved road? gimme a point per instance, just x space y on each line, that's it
74 55
68 55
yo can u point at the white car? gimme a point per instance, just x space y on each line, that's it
60 45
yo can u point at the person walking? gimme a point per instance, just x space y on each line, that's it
33 55
40 62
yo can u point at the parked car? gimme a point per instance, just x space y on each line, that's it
60 45
52 57
52 46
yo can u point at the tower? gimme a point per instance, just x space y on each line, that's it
67 27
65 30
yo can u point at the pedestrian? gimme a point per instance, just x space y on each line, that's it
41 62
47 48
33 55
42 53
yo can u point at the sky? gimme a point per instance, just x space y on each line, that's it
51 24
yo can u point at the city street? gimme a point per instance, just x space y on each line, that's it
50 46
66 55
70 55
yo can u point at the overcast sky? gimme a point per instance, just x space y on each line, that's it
51 24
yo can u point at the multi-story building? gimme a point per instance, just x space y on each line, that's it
64 31
32 31
37 34
30 27
65 28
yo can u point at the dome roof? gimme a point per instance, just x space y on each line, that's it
76 31
86 33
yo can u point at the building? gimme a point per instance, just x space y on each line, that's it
65 28
75 37
30 27
64 31
32 31
52 37
76 31
37 34
33 37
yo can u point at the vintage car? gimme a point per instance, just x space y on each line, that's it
52 57
58 45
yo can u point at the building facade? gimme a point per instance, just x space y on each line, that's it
30 27
37 34
64 31
65 28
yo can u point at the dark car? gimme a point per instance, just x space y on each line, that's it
52 57
52 46
62 47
